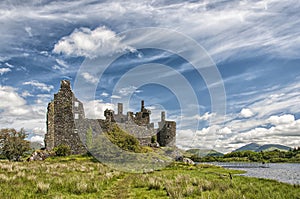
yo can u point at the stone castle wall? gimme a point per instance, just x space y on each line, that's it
142 133
49 137
61 122
166 135
66 123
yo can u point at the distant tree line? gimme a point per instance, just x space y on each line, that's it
292 155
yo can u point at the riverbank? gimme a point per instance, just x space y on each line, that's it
282 172
81 177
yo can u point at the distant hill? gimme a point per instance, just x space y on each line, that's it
204 152
248 147
272 147
266 147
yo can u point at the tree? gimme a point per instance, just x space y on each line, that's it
13 144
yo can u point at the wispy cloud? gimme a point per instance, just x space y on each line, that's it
128 91
4 70
223 28
26 94
39 85
28 30
89 78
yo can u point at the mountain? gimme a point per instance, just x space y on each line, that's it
204 152
272 147
266 147
248 147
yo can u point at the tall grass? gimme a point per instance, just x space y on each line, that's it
55 178
78 177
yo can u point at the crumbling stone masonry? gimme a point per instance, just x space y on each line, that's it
66 123
166 131
62 112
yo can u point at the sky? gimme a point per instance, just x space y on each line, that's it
228 72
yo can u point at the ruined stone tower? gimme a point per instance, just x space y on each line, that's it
166 135
61 116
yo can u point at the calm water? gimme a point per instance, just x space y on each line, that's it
283 172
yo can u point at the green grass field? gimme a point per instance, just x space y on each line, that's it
82 177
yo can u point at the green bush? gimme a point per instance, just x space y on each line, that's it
153 139
62 150
13 144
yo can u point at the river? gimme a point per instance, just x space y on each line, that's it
283 172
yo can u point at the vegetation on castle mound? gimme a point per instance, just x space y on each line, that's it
83 177
125 141
123 151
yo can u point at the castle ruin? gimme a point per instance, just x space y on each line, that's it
66 123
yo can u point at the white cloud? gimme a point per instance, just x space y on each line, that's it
4 70
89 78
57 67
26 94
233 132
39 85
284 132
39 131
10 98
246 113
115 97
91 43
284 119
62 63
28 30
9 65
43 99
224 131
104 94
38 139
224 28
207 116
16 113
95 109
225 138
128 91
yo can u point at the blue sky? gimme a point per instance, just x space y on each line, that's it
253 47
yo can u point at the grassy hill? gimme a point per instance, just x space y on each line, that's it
83 177
248 147
267 147
273 147
203 152
125 140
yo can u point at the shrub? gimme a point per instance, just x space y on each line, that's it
153 139
62 150
13 144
